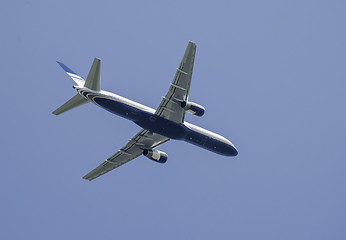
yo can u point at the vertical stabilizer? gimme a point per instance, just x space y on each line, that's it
78 79
93 79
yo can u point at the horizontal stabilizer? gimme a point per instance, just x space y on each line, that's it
74 102
78 79
93 79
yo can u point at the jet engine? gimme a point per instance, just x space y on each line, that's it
193 108
155 155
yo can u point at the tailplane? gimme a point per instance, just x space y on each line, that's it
74 102
93 79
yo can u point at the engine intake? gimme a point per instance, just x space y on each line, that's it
156 155
193 108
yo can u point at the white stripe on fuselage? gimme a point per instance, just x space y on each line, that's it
208 133
117 98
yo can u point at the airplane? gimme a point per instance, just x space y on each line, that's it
158 126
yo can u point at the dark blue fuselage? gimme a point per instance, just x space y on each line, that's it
148 120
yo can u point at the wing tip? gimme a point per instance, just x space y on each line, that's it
192 42
85 178
88 177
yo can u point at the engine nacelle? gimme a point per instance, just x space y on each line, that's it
156 155
193 108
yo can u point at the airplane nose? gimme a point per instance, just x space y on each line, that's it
235 152
229 149
232 151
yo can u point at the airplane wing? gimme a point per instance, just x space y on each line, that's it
143 140
170 107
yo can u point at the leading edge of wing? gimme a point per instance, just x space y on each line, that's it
144 139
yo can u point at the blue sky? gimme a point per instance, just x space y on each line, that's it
271 75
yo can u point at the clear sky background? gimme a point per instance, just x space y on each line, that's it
271 75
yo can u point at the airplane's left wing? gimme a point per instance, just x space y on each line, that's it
143 140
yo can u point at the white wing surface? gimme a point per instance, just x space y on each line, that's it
170 107
143 140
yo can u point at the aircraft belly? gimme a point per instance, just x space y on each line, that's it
161 126
210 144
142 118
118 108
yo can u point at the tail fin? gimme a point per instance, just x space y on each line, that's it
78 79
92 82
74 102
93 79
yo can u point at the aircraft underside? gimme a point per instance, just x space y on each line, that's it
158 126
164 127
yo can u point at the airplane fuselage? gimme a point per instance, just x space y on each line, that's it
146 118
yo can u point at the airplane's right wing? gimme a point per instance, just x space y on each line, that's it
170 106
143 140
